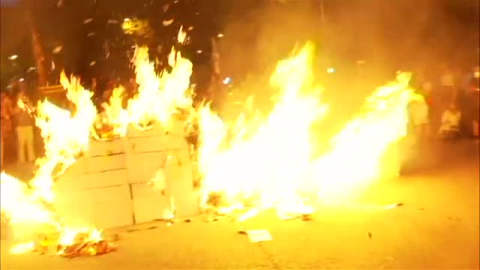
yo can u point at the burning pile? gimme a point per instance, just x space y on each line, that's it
258 162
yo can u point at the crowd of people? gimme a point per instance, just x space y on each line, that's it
17 124
448 105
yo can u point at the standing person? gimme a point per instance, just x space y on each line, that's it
419 116
447 88
427 93
6 124
450 127
24 123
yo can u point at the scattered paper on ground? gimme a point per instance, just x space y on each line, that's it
256 236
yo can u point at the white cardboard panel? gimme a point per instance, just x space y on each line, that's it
113 214
69 182
176 163
187 205
112 207
102 208
106 163
105 179
180 186
111 194
75 207
148 203
105 148
143 167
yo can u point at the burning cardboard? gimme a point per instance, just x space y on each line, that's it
69 244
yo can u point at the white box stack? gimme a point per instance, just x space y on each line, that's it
99 194
110 185
150 152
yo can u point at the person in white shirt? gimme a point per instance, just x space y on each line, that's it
447 90
419 116
450 126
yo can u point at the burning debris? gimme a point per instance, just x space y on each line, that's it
29 216
69 244
74 244
257 236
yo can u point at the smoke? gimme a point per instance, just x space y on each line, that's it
412 35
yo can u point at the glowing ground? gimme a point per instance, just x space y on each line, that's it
437 227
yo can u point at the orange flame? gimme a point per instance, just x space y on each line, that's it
159 97
265 162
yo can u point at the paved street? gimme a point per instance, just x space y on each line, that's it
437 227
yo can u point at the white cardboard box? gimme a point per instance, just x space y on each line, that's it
142 167
148 203
72 183
75 207
102 207
69 182
180 185
112 207
105 179
106 163
105 148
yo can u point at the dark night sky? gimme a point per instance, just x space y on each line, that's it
444 25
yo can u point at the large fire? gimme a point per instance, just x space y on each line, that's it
268 163
264 160
259 161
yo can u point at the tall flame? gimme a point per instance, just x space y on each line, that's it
159 97
114 114
264 161
65 134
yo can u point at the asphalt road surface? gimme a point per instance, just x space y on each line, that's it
436 227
